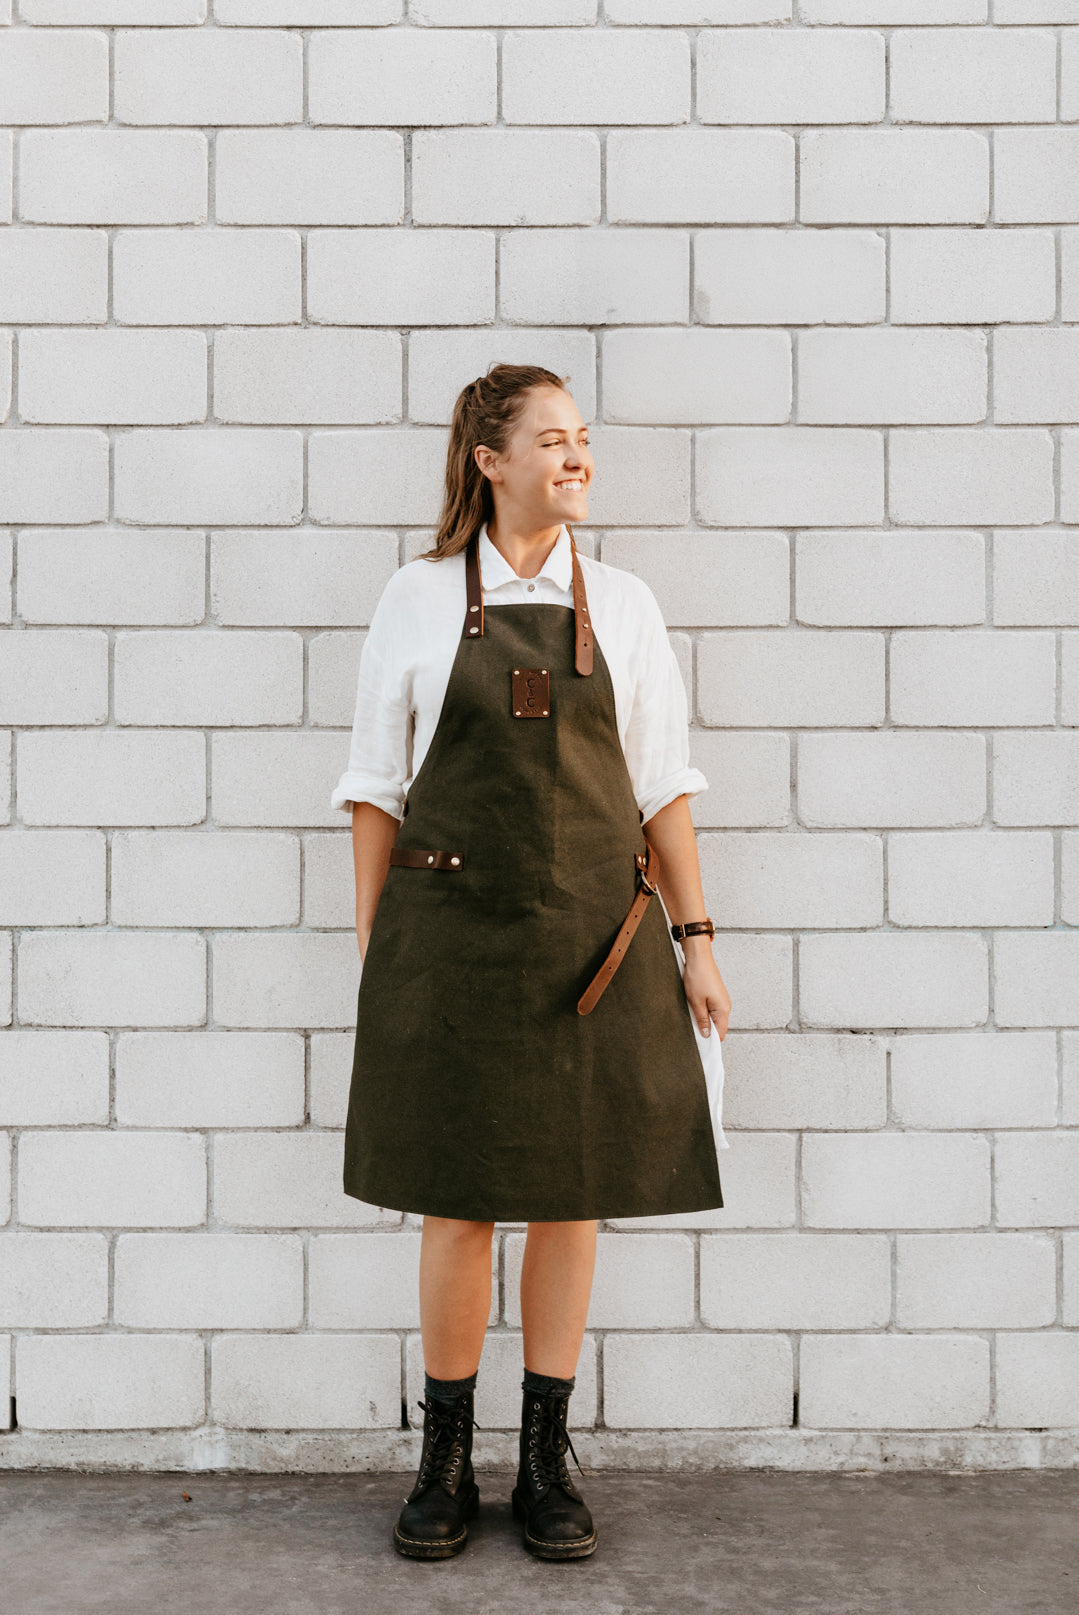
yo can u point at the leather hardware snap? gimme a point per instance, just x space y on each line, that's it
531 692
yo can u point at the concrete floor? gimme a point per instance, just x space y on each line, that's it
1004 1543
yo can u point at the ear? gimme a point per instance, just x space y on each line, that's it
485 458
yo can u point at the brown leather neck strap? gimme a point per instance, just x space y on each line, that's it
582 651
473 590
582 622
648 866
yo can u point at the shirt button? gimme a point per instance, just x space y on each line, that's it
531 586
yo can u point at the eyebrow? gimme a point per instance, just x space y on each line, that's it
559 429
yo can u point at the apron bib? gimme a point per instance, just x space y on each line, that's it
478 1090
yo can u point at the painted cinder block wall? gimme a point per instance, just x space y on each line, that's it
813 272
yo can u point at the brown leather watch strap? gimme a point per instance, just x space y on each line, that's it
420 858
648 867
582 621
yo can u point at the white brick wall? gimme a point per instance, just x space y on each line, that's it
812 267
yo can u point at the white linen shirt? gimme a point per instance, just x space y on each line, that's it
405 668
413 638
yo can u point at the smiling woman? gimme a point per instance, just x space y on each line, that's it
529 1044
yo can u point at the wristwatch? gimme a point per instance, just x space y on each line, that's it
693 928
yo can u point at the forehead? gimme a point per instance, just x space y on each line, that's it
550 410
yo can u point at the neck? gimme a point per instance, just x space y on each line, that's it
524 551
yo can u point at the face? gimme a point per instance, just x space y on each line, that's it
543 478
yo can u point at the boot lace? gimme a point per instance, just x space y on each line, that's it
443 1428
547 1449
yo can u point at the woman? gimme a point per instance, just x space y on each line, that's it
529 1045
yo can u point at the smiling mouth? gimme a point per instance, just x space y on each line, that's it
571 485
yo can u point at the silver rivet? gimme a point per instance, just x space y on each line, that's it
473 630
431 858
455 860
517 714
517 670
473 608
545 712
543 670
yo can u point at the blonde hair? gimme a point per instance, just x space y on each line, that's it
486 411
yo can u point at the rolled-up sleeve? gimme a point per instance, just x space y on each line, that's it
380 748
657 739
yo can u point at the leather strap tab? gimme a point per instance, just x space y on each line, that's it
420 858
648 868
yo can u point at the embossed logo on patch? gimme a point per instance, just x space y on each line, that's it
531 692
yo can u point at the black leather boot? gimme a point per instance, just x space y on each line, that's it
432 1524
557 1522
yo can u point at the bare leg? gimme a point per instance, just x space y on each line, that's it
455 1294
556 1284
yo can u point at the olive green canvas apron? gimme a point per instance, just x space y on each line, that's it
478 1091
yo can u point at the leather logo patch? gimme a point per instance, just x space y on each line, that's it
531 692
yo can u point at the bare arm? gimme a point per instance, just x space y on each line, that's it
671 833
373 834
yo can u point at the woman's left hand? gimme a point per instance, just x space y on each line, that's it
706 995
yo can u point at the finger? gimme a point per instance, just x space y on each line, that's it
698 1008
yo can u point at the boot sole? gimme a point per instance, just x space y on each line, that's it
438 1547
577 1549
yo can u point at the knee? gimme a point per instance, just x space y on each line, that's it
562 1230
458 1231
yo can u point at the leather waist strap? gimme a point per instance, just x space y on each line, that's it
648 868
420 858
648 865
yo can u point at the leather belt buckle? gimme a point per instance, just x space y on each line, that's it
531 693
642 865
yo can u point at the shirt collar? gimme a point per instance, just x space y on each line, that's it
496 570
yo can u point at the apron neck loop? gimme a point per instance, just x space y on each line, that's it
582 622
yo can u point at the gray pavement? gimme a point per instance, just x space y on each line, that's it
1005 1543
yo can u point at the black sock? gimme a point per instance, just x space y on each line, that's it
446 1389
543 1384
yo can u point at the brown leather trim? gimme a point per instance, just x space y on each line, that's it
648 867
421 858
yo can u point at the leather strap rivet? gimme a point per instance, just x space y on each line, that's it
455 860
545 712
473 608
517 714
431 858
473 630
517 670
